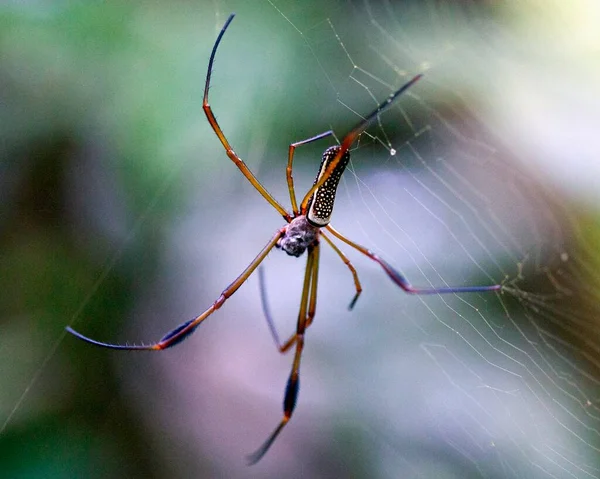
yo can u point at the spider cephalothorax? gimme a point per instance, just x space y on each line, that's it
298 236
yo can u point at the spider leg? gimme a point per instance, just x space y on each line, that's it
285 346
217 129
401 281
350 137
288 171
307 311
266 309
184 330
350 266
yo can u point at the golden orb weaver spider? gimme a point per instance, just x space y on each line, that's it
302 232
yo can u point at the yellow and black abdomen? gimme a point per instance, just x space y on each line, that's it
320 206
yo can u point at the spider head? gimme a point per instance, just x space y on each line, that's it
298 236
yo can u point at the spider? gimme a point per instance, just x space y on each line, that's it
302 232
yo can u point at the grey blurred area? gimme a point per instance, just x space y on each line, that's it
122 216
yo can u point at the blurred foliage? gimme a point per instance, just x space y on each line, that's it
68 103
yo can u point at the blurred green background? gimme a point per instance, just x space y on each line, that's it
122 216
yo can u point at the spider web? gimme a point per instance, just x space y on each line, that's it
461 183
506 384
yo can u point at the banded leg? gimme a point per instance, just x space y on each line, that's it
285 346
182 331
350 266
288 171
312 305
307 307
351 137
401 281
217 129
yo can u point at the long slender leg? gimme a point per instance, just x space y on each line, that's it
402 281
350 137
217 129
351 267
288 171
281 347
182 331
312 304
266 309
307 307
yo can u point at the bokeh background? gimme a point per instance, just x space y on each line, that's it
121 216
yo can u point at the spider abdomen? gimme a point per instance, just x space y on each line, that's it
298 236
320 206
